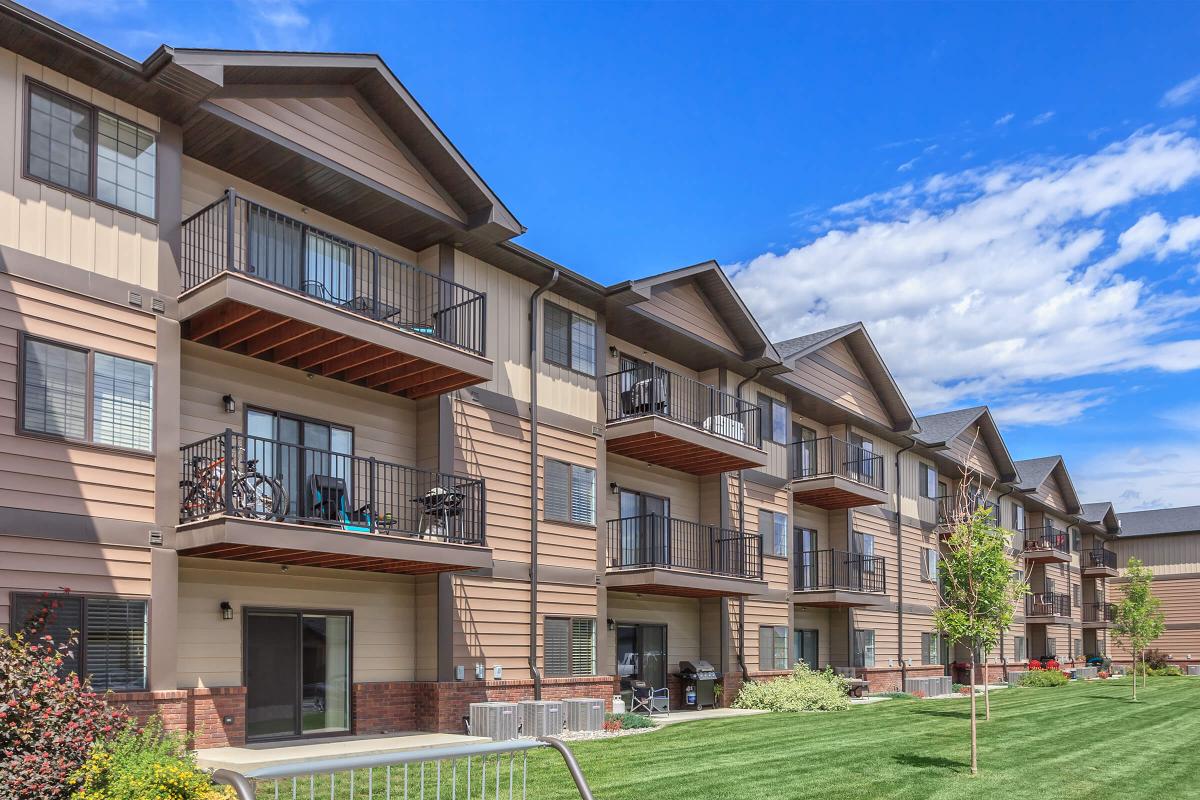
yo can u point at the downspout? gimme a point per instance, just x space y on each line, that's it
741 655
1070 595
900 564
1000 513
533 484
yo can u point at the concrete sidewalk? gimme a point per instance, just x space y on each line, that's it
256 756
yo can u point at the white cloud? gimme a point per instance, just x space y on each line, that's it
1043 118
1141 477
1046 408
906 166
1181 93
981 284
284 25
1005 119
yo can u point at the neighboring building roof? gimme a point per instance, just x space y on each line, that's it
1158 521
1102 514
938 430
1034 472
864 350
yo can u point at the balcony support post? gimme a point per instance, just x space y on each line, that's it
230 229
372 493
228 454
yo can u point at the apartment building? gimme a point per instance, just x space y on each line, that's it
318 449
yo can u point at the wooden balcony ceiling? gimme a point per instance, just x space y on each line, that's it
667 443
839 598
307 558
834 493
282 339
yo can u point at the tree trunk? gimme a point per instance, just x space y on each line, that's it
987 698
974 735
1135 676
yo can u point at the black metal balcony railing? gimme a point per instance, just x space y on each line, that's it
830 455
1048 604
1099 612
234 234
947 503
1100 557
818 570
248 476
656 541
1046 538
650 390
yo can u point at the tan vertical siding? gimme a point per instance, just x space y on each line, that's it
849 393
684 306
681 615
970 449
51 222
681 488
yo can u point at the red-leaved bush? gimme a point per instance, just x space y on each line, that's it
48 722
1035 664
1052 664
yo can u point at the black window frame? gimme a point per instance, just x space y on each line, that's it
931 648
94 112
81 648
571 317
776 648
766 418
89 403
856 655
929 482
763 539
570 660
571 467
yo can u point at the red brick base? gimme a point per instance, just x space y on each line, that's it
201 712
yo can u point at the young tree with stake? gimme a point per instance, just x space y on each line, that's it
1139 619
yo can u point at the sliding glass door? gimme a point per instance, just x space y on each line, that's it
294 449
642 655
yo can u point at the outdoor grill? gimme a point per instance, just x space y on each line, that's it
698 680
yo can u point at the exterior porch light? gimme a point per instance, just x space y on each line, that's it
613 488
226 610
229 403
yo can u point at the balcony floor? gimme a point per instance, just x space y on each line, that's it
1096 624
1098 572
1047 556
667 443
835 493
838 598
283 543
243 315
681 583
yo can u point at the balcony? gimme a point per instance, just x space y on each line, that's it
652 554
245 498
832 474
1098 615
262 284
947 510
1045 544
660 417
1047 608
839 579
1099 562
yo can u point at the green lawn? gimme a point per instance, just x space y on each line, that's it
1085 740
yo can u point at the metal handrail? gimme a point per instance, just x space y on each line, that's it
947 503
1048 604
650 390
652 540
334 490
1046 537
1102 557
1099 612
820 570
436 765
829 455
233 234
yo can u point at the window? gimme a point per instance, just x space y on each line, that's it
1076 541
56 383
1051 647
929 481
864 648
929 648
862 459
806 647
1018 517
1078 649
112 636
929 565
570 646
570 493
772 647
65 138
1075 595
569 340
772 419
1020 652
773 528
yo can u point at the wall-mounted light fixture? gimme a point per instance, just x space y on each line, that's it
611 624
612 351
229 403
226 610
613 488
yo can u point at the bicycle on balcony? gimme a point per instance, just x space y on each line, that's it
251 494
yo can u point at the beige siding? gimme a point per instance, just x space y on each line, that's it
1166 555
51 475
682 489
850 393
971 450
338 128
684 306
1180 600
426 627
681 615
765 498
49 565
385 426
210 652
813 619
50 222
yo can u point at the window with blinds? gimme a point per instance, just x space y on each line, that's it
569 340
54 391
1020 651
570 492
773 530
772 647
111 634
864 648
929 648
122 402
929 565
569 646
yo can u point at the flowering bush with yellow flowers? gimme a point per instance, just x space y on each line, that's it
145 763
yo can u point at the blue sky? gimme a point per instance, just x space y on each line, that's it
1006 194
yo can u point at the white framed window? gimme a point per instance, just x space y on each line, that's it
569 340
929 564
570 492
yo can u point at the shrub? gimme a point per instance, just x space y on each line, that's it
899 695
145 763
1034 664
803 690
1156 659
1043 678
1167 670
1101 674
628 721
1052 664
48 721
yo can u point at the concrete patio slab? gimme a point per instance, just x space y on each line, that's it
255 756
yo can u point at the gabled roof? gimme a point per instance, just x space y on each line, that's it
1034 472
626 313
1102 514
1158 521
939 430
859 341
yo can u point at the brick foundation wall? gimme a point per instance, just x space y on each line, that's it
200 712
384 707
440 707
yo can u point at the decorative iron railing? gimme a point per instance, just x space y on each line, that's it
652 540
1048 604
817 458
820 570
650 390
